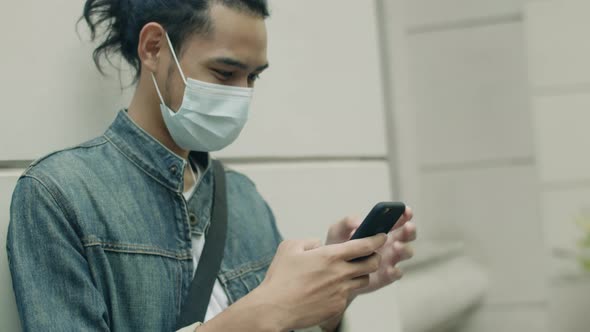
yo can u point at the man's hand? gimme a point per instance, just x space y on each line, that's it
307 283
395 250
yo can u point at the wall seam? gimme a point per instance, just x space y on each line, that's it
564 185
479 164
559 90
469 23
388 102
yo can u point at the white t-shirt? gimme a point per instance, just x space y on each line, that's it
219 300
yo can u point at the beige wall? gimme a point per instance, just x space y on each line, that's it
559 51
501 92
476 158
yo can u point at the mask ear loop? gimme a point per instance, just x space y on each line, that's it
177 64
175 58
158 89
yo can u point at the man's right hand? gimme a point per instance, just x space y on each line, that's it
307 284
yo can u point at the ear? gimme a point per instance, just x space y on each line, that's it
152 41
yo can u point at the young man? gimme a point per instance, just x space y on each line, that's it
107 236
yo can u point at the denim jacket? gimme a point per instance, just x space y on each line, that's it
100 235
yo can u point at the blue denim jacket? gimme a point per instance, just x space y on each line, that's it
100 235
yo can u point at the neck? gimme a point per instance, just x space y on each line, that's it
145 111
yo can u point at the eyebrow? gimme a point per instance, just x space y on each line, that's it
238 64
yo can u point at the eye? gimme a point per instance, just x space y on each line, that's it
224 74
253 77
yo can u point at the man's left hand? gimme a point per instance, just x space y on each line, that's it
395 250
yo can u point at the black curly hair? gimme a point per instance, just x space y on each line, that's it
117 23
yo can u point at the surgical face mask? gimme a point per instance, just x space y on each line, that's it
210 117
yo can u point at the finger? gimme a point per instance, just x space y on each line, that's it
359 248
346 227
364 267
404 218
406 233
408 213
359 282
394 273
351 223
343 230
401 252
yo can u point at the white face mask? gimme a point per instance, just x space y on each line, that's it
210 117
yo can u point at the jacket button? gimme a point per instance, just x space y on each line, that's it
173 169
193 219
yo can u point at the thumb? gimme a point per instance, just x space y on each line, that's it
347 226
352 223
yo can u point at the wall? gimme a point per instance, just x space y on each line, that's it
315 145
52 98
558 51
468 78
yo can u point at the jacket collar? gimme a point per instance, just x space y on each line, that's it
148 154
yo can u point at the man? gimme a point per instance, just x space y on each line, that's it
108 235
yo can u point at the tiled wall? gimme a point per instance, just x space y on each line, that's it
315 144
468 76
559 53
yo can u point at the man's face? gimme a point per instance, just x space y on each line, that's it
234 54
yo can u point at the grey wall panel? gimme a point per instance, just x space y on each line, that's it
470 87
52 95
562 139
496 212
559 48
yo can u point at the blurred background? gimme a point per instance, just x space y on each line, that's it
474 112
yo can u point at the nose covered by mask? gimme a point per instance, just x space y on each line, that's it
210 117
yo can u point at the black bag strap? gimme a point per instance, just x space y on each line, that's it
199 293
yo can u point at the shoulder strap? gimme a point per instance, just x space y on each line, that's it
199 294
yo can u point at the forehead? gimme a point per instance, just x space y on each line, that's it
235 34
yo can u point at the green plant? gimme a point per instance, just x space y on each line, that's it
584 243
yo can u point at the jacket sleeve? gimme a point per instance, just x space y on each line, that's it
52 283
278 237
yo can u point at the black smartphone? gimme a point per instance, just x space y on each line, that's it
381 219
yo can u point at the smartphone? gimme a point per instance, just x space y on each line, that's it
381 219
